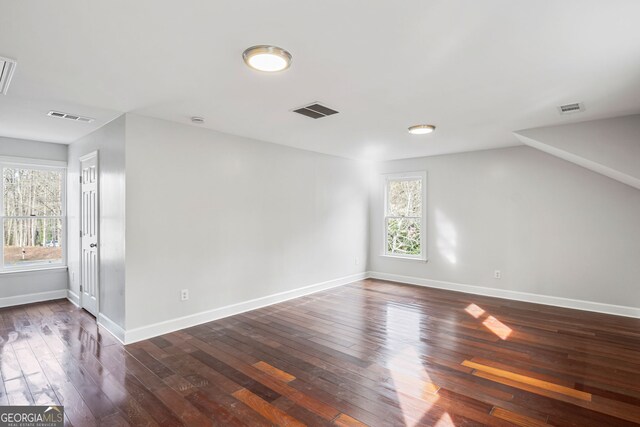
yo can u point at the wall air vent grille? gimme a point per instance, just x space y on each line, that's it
315 111
7 67
68 116
571 108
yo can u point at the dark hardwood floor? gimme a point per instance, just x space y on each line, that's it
372 352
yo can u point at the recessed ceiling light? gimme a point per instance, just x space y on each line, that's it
267 58
421 129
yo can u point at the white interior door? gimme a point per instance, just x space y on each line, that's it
89 233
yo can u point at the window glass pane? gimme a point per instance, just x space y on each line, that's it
404 198
31 192
403 236
32 241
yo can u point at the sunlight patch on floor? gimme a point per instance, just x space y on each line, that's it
415 395
412 383
497 327
490 322
474 310
445 421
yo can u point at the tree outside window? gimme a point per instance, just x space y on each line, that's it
404 215
33 221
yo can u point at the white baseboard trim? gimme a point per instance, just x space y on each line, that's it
73 298
160 328
36 297
112 327
618 310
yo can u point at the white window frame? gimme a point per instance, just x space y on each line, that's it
405 176
36 164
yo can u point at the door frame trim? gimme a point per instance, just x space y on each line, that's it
88 156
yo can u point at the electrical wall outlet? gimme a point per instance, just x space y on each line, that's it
357 261
184 294
497 274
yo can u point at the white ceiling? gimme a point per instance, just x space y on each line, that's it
478 70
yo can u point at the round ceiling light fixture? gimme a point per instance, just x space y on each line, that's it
269 59
421 129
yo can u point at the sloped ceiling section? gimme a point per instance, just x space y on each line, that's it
608 146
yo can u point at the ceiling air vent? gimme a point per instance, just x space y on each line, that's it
315 111
571 108
68 116
7 67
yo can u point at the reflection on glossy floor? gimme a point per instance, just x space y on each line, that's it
372 353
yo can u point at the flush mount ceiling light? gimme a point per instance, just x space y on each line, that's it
421 129
266 58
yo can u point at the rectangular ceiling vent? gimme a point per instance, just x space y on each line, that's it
315 111
68 116
571 108
7 67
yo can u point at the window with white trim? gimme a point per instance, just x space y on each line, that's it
33 216
405 215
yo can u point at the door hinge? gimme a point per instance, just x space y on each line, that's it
80 288
80 179
80 233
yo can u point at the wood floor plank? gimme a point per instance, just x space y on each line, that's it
307 401
268 411
517 419
368 353
529 380
344 420
216 412
238 377
274 372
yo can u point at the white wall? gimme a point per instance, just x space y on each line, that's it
12 147
31 286
110 142
551 227
233 219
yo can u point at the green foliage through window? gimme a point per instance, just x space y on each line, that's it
403 236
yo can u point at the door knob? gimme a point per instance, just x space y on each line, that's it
93 245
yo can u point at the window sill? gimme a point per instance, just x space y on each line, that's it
33 270
405 258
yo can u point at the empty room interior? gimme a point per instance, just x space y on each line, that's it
348 213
